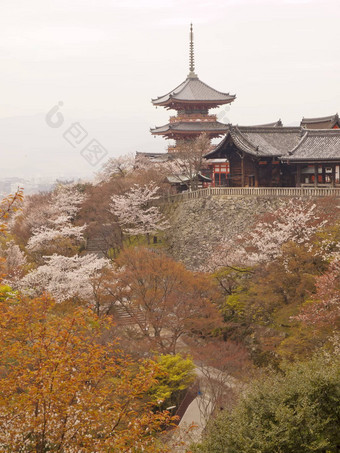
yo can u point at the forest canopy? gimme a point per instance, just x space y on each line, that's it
104 333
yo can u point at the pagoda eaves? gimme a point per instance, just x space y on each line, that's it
192 99
193 91
178 130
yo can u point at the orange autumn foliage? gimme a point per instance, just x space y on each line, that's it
64 387
8 205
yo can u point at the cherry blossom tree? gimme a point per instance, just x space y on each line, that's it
324 308
191 160
295 221
59 228
135 212
65 277
66 199
185 164
33 214
116 166
38 209
167 165
15 262
59 213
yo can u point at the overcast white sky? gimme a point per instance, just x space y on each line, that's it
106 59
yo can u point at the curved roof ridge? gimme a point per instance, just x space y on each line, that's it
172 91
302 140
236 136
277 123
317 146
215 126
217 91
261 141
194 90
224 139
323 131
270 129
245 144
320 119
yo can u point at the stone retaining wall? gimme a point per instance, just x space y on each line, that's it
199 224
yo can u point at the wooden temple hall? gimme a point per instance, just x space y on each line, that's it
250 156
262 156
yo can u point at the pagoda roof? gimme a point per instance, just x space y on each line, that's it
316 145
191 126
260 141
326 122
193 91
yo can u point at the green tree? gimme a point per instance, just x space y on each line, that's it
175 375
5 292
296 411
268 300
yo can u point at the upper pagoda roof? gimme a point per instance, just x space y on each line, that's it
194 91
326 122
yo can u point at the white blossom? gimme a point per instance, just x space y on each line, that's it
58 215
14 256
66 199
15 263
44 235
295 221
135 212
64 277
116 166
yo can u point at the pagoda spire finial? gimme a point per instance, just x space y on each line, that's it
191 55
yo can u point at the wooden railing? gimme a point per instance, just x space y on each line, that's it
255 192
192 118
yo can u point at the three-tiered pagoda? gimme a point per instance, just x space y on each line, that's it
192 100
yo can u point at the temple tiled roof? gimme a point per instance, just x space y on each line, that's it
326 122
183 178
289 144
261 141
270 141
193 90
316 145
154 157
201 126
